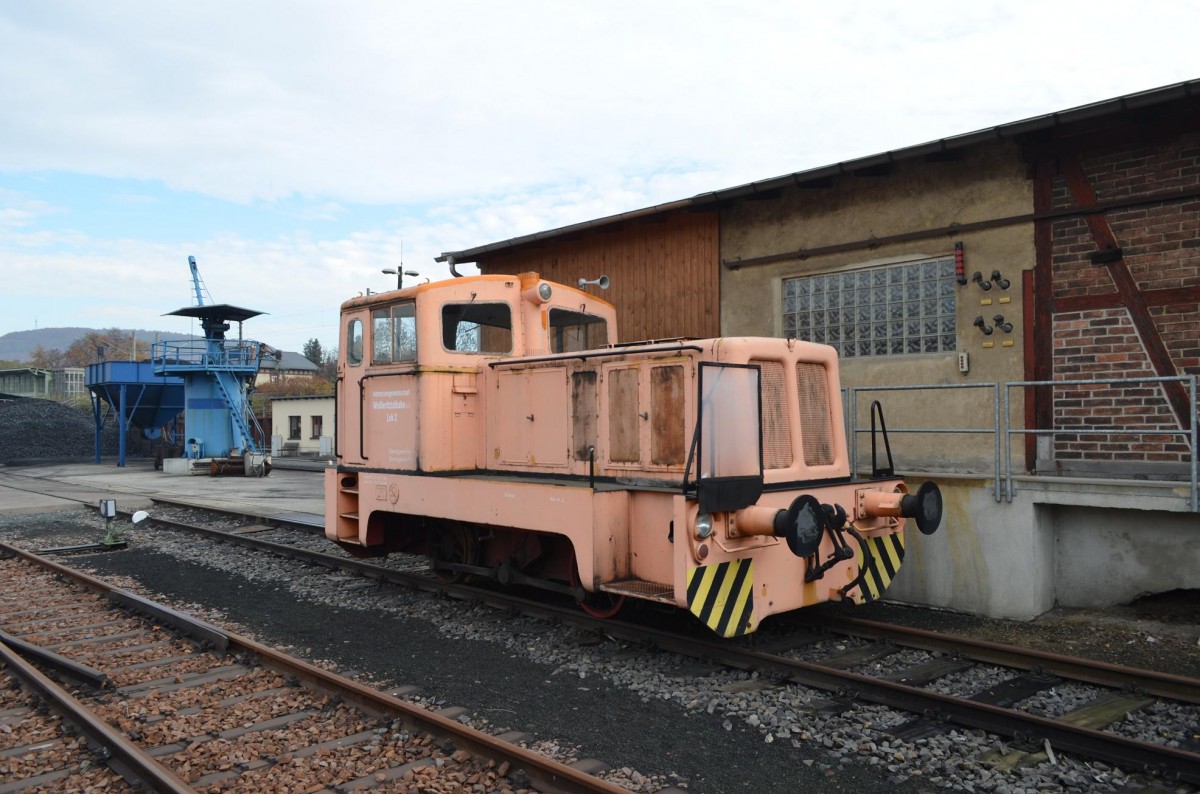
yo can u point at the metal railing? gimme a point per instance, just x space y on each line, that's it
1191 432
1002 424
854 431
199 355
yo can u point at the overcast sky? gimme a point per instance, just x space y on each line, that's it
296 148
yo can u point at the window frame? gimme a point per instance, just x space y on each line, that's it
386 317
903 308
354 354
467 305
556 329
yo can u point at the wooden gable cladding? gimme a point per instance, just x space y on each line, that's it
664 272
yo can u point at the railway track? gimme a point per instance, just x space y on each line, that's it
854 662
889 665
174 704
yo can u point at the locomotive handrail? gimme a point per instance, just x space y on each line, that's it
512 362
854 430
337 387
1190 431
890 471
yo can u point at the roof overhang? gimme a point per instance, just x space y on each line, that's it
215 312
715 199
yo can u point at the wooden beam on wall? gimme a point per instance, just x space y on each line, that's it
1039 293
1132 297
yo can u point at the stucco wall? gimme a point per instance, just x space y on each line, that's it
987 183
306 408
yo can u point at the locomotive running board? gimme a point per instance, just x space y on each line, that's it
640 588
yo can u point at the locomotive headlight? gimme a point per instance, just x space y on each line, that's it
704 526
544 291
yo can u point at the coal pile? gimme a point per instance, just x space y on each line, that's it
33 429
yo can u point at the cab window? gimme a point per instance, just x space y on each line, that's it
472 327
354 342
571 332
394 334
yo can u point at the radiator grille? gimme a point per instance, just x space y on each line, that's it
816 428
776 436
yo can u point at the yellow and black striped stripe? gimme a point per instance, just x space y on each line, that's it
722 596
880 566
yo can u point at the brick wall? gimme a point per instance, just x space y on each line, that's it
1103 344
1160 243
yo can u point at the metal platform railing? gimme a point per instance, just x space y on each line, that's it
1003 426
195 355
854 431
1190 432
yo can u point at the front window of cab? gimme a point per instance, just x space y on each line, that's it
482 328
354 342
571 332
394 334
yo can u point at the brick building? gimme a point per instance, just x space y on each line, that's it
1077 234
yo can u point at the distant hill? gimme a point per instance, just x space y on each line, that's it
19 345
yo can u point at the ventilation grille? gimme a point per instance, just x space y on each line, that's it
816 429
776 436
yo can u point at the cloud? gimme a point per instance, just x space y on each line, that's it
347 134
381 102
20 211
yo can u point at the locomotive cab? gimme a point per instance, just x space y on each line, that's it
494 424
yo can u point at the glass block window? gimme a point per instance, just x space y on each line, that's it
879 311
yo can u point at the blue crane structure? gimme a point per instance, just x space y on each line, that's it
218 375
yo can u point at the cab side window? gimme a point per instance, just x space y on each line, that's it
394 334
354 342
571 332
483 328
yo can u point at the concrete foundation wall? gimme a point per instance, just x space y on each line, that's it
1075 543
987 558
1107 557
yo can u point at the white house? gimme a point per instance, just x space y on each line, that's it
302 425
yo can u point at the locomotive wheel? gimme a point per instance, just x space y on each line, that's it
456 545
598 604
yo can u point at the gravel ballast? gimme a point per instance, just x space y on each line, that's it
660 719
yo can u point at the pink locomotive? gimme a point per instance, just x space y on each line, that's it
494 424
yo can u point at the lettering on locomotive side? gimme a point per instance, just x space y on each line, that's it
404 458
380 404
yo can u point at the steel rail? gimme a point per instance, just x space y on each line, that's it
1166 685
1087 742
543 772
140 764
48 658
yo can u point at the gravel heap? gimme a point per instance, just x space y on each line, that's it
32 429
779 713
